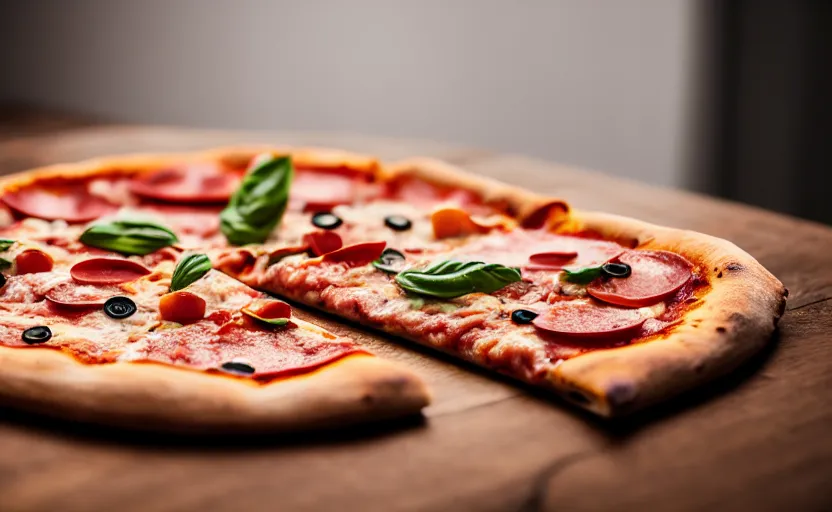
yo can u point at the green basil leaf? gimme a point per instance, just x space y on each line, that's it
6 243
5 264
128 236
256 208
270 321
449 279
581 275
189 269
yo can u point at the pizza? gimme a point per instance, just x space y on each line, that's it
158 290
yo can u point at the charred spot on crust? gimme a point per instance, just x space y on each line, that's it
620 394
719 276
733 267
781 308
721 330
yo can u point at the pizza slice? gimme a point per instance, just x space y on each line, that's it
612 313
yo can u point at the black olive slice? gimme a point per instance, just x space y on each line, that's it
326 220
397 222
618 270
36 335
238 367
119 307
523 316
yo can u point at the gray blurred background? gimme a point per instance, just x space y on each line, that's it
721 97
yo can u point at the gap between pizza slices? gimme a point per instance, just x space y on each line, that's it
611 313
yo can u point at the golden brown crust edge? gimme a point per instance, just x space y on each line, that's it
150 396
355 389
735 320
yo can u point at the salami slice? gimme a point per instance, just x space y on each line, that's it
322 242
423 194
356 254
107 271
73 204
74 295
205 183
550 260
201 221
317 191
589 319
269 309
655 276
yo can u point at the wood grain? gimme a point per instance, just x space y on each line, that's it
758 440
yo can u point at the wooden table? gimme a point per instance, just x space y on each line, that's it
760 439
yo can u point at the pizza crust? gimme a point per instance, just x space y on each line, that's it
150 396
735 319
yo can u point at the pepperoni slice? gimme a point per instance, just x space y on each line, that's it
269 309
655 276
356 254
33 261
75 295
182 307
589 319
196 183
203 221
322 242
421 193
551 260
316 191
70 203
107 271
